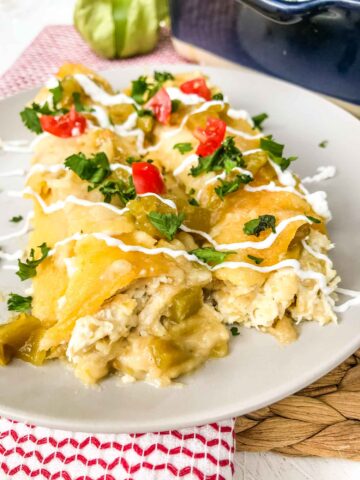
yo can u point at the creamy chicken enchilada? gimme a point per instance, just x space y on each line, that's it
163 220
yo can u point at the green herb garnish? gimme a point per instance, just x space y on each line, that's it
57 93
257 260
162 77
175 105
183 147
258 225
167 223
313 219
27 269
16 219
193 202
259 119
31 120
324 144
275 151
125 191
226 156
79 106
231 186
18 303
218 96
210 255
139 88
234 331
94 169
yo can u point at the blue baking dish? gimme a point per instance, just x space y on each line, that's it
314 43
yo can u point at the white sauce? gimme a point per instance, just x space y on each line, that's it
56 206
11 256
15 146
99 95
240 115
189 160
185 98
285 177
319 255
101 116
323 173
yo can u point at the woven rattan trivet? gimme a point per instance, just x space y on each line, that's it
321 420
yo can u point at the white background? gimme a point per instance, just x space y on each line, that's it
20 21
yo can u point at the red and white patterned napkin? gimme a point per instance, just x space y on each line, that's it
28 451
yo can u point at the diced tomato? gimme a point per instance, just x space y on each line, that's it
147 178
197 86
160 104
210 137
71 124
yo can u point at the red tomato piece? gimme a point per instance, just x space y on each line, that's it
160 104
210 137
197 86
71 124
147 178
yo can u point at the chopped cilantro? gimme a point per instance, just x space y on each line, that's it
125 191
167 223
210 255
193 202
313 219
175 105
324 144
162 77
218 96
139 88
79 106
18 303
259 119
257 260
27 269
234 331
57 93
31 120
258 225
16 219
275 151
226 156
231 186
192 191
94 169
183 147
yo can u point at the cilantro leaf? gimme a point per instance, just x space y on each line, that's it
193 202
16 219
257 260
143 112
218 96
31 120
57 93
234 331
167 223
231 186
18 303
79 106
162 77
27 269
183 147
94 169
175 105
324 144
226 153
313 219
139 88
258 225
125 191
259 119
210 255
275 151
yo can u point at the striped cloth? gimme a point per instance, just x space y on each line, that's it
28 451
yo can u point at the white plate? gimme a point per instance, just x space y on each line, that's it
258 371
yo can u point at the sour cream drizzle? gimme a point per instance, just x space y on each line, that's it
99 95
323 173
